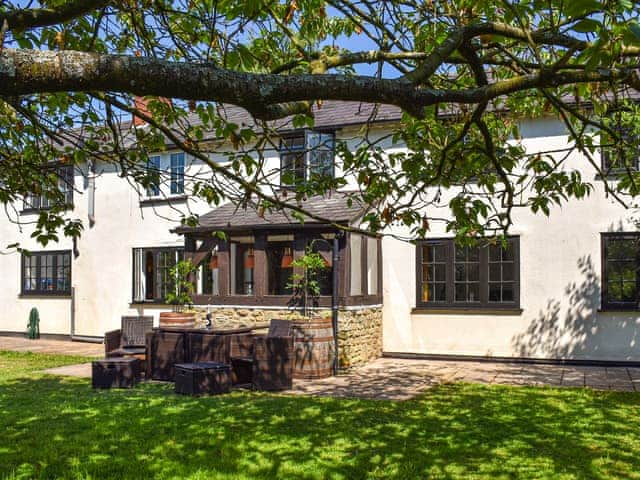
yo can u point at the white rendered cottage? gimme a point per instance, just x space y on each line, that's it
553 294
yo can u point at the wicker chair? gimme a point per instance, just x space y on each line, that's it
129 340
269 365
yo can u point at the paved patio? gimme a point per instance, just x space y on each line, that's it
390 378
56 347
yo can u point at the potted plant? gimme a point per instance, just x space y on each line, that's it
180 297
312 333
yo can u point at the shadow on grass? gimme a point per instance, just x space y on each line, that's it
53 427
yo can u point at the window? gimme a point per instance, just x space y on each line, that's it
324 277
45 200
621 153
306 156
152 279
167 174
279 252
620 264
242 257
209 275
485 276
153 165
355 270
372 266
46 273
177 173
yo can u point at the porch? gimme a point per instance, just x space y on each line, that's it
246 260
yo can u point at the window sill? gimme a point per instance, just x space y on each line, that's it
163 200
29 211
613 175
64 295
619 310
466 311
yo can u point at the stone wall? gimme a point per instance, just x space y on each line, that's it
359 336
359 330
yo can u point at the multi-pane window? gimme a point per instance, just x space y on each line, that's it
64 181
619 144
502 274
467 274
153 166
434 259
46 273
167 175
451 275
152 279
177 173
620 279
305 156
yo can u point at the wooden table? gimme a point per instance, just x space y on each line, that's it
167 346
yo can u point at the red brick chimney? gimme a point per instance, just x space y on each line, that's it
142 104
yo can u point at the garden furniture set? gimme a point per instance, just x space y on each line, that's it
199 361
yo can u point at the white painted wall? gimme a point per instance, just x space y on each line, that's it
560 268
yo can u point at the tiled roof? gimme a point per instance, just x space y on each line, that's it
332 206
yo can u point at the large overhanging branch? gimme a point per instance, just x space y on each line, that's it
24 72
24 19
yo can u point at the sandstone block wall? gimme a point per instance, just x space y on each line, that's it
359 330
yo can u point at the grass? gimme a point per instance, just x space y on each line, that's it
54 427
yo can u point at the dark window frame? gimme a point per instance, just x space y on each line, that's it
607 162
450 303
305 151
154 251
66 176
605 302
38 278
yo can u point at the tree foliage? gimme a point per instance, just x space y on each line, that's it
464 72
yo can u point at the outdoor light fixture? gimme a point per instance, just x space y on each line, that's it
213 264
287 258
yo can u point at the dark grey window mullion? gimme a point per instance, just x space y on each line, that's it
54 273
450 272
484 275
38 273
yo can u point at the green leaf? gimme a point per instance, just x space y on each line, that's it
586 26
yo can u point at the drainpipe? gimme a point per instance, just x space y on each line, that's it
334 301
91 187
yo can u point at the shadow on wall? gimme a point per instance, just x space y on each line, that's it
578 330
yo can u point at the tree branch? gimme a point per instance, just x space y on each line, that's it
43 17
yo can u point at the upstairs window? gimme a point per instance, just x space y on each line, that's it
454 276
167 174
619 152
46 199
305 156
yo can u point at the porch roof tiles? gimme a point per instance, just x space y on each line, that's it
334 207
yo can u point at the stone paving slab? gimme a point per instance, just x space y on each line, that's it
80 370
56 347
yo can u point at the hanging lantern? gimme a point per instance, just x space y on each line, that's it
213 263
287 258
250 261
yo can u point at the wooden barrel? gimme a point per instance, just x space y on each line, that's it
177 319
313 348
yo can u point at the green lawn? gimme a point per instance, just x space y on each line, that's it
54 427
